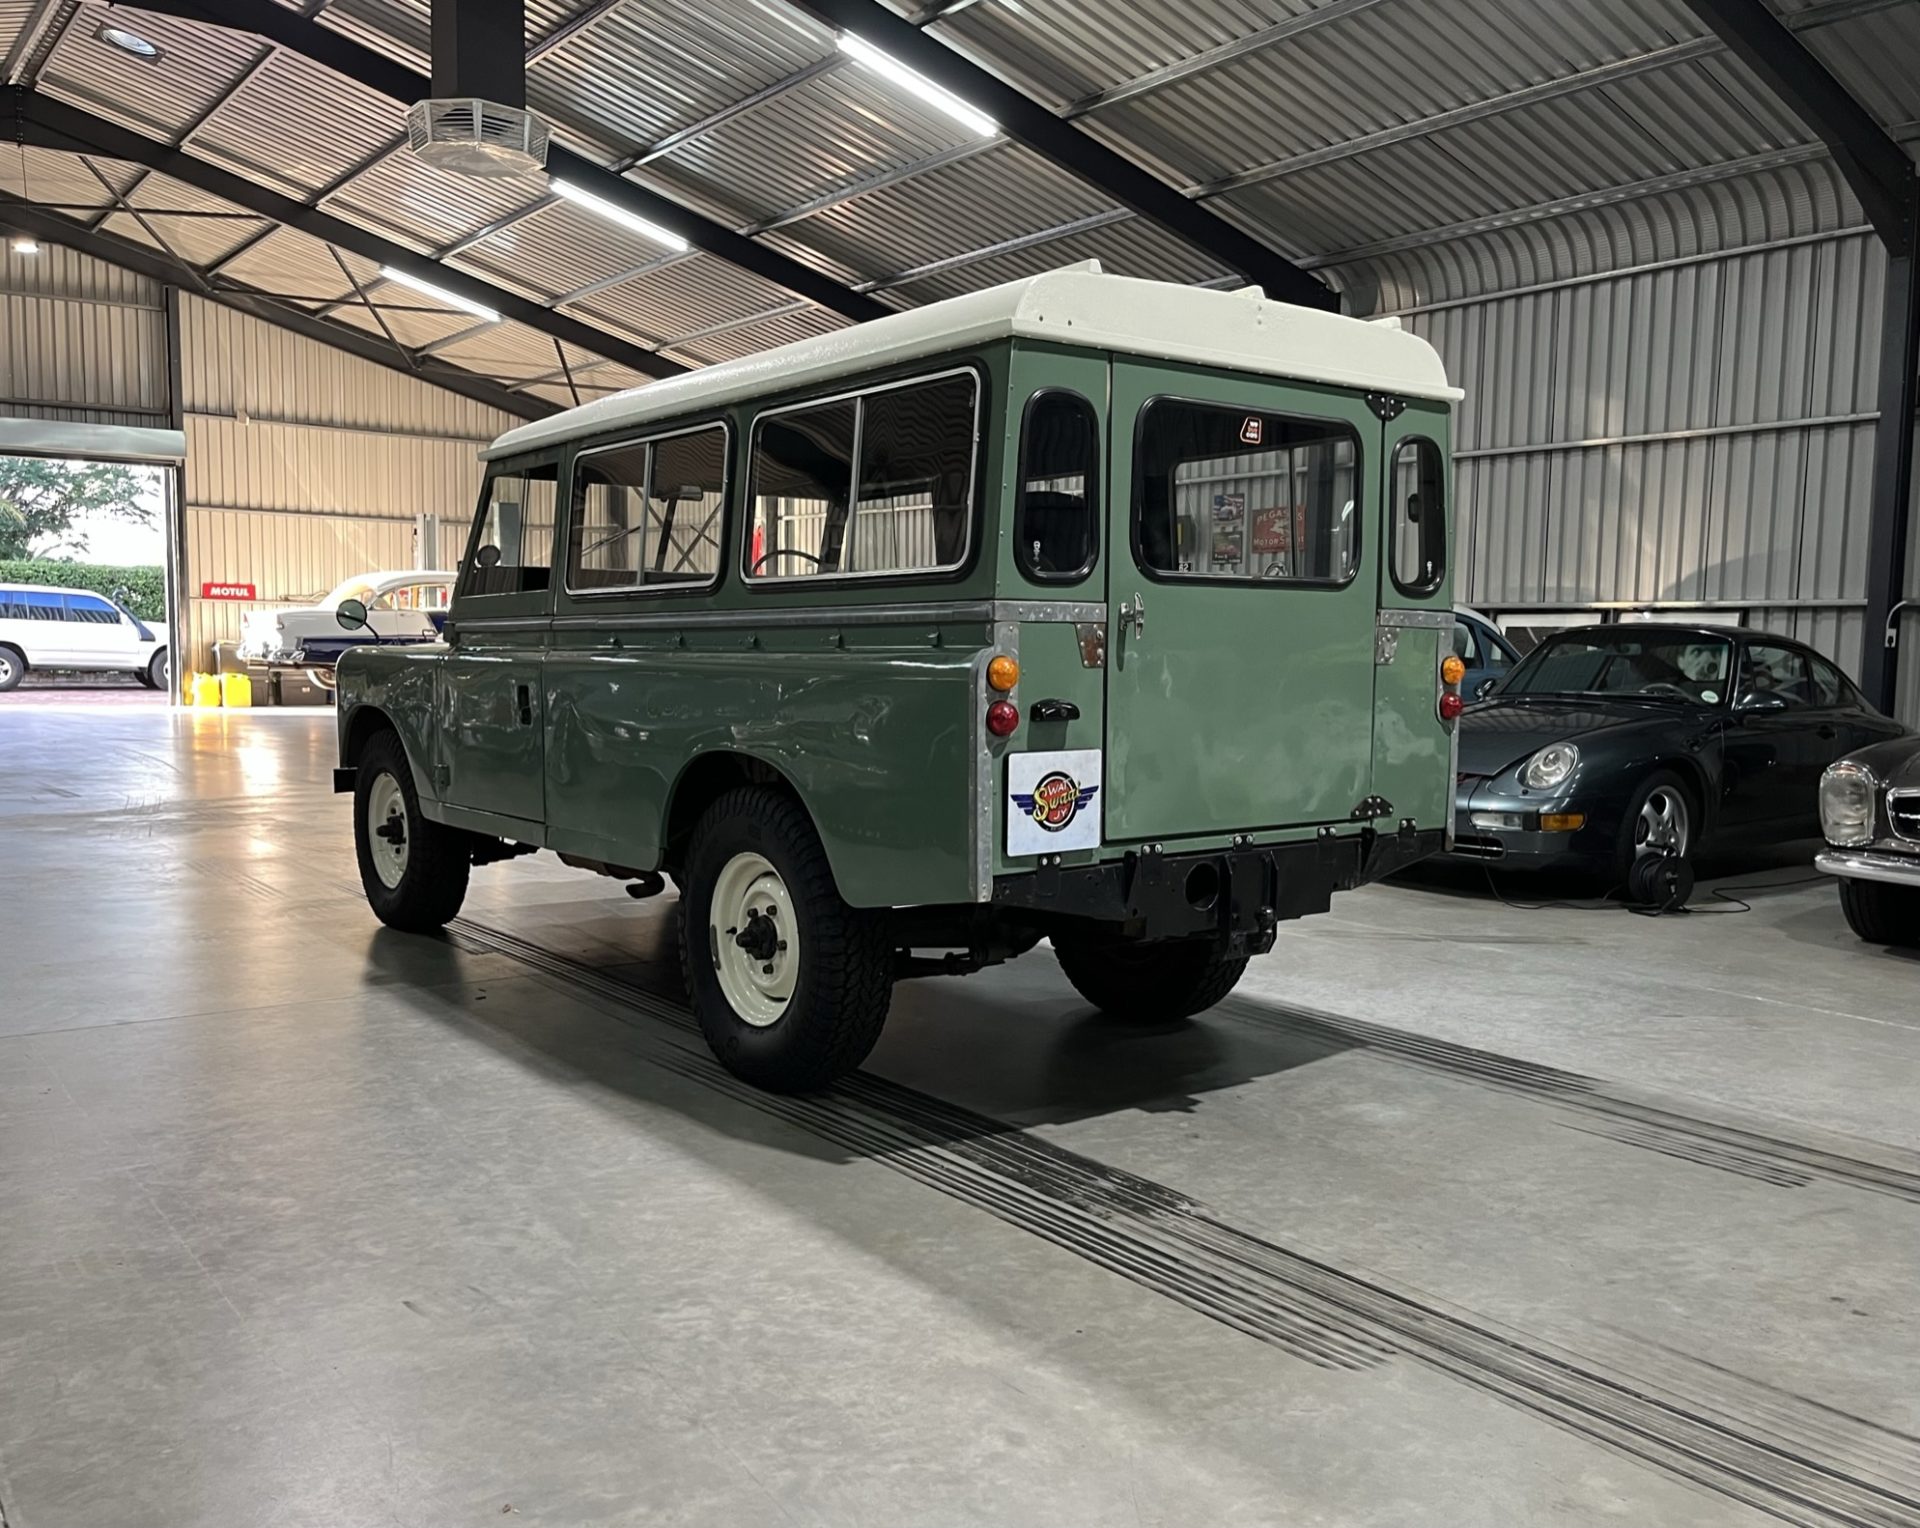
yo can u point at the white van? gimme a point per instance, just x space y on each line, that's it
51 628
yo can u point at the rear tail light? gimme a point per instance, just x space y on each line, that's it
1003 673
1002 717
1453 670
1451 705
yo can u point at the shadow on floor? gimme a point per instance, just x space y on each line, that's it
961 1058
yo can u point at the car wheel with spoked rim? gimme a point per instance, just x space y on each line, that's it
13 668
790 985
1660 818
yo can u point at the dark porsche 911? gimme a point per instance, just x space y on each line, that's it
1607 742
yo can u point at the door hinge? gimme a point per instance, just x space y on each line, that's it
1372 807
1092 636
1387 406
1386 642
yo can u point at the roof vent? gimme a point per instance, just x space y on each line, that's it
480 138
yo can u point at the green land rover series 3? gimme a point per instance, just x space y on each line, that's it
1098 610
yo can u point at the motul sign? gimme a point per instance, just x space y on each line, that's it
227 592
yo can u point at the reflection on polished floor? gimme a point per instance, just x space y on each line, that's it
1455 1214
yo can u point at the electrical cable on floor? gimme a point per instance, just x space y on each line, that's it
1612 902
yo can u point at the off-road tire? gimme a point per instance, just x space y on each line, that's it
439 858
1881 914
13 667
1142 983
844 981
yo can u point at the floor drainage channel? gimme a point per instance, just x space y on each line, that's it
1792 1458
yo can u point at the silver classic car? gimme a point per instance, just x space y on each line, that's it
1870 813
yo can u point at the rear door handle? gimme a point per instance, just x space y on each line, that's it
1054 711
523 697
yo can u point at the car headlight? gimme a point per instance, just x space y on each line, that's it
1549 767
1847 793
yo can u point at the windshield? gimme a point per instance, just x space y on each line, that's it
1665 666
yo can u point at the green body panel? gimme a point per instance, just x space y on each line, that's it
870 726
1241 711
1240 706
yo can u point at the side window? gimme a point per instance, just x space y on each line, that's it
1776 671
1419 539
801 491
647 514
1830 688
1056 517
513 540
905 505
1233 494
1466 643
91 609
42 607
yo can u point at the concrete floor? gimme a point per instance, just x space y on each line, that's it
1455 1214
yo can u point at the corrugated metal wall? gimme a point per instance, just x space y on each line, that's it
1694 430
81 341
305 465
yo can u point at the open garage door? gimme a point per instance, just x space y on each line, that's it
85 627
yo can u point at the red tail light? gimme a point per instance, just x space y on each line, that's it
1451 705
1002 717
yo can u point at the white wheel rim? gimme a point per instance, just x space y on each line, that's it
387 830
1662 827
6 668
754 939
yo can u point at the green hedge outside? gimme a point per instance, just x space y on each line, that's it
146 586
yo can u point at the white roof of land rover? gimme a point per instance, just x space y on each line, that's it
1077 305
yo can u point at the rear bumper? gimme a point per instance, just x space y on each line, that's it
1869 865
1238 895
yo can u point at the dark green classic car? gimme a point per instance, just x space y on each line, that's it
1102 610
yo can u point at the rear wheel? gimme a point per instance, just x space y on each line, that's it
154 675
791 986
414 870
13 668
1170 979
1882 914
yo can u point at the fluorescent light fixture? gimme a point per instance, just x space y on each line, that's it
26 245
632 222
917 84
439 294
131 42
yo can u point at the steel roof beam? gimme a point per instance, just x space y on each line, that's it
1669 57
376 72
56 125
1877 168
21 217
1884 181
1033 125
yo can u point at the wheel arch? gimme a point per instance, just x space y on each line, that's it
26 667
1693 774
708 776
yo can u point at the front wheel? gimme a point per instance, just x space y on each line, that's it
1881 914
791 985
13 668
1659 819
1171 979
414 870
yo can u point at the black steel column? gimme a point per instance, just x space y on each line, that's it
1889 533
179 606
480 49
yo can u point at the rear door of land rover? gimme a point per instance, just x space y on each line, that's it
1241 603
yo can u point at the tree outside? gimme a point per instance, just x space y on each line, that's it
46 506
